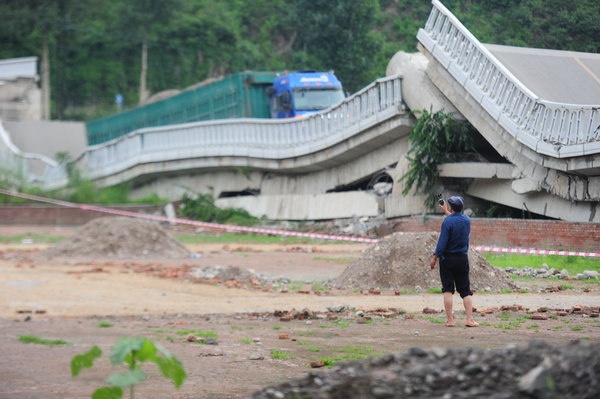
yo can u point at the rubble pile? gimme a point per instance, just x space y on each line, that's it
546 272
401 262
119 238
230 273
536 370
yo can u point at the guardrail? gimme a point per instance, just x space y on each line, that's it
258 138
556 129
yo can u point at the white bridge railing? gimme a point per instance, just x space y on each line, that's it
256 138
556 129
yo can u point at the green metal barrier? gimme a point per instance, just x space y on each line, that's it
241 95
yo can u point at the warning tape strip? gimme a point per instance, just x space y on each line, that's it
536 251
231 227
228 227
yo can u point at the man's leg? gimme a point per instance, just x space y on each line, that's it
468 303
448 308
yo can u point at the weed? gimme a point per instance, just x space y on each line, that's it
533 326
203 208
317 286
305 333
553 317
105 324
313 349
506 291
275 354
586 337
303 342
505 316
32 339
277 327
246 341
435 290
350 352
567 287
556 328
577 328
199 333
341 323
130 352
432 319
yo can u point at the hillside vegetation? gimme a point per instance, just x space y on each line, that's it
96 48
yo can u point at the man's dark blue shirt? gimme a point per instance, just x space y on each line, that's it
454 236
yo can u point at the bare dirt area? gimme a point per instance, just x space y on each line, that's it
261 334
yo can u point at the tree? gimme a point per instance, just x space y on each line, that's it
340 35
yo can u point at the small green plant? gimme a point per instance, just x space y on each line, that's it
349 352
276 328
199 333
341 323
305 333
247 341
435 290
506 291
317 286
105 324
577 328
505 316
203 208
303 342
131 352
432 319
32 339
275 354
313 348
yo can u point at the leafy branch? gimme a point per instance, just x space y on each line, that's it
433 137
131 352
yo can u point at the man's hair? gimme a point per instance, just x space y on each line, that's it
456 207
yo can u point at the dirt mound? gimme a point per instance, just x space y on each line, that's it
536 370
119 238
401 262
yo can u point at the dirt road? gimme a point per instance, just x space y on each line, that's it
67 299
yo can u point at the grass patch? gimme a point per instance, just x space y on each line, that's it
32 339
432 319
435 290
275 354
199 333
277 328
505 316
341 261
105 324
247 341
349 352
228 238
305 333
577 328
313 348
36 238
573 264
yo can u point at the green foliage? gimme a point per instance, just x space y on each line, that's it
95 45
105 324
276 354
203 208
349 352
434 136
131 352
29 339
573 264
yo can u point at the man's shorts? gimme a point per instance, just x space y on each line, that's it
454 272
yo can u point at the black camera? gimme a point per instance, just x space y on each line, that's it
440 199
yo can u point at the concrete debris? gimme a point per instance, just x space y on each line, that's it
546 272
536 370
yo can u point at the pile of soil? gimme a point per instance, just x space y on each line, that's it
537 370
119 238
401 262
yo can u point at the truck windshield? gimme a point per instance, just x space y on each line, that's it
311 98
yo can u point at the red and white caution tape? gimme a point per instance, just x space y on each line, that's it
536 251
229 227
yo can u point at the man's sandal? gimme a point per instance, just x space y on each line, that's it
473 324
450 324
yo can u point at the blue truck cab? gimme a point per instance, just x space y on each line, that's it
300 93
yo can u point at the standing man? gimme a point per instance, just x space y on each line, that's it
452 250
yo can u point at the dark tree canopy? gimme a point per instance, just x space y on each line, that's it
95 46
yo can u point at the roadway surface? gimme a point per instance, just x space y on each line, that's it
553 75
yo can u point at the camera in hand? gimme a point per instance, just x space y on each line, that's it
440 199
